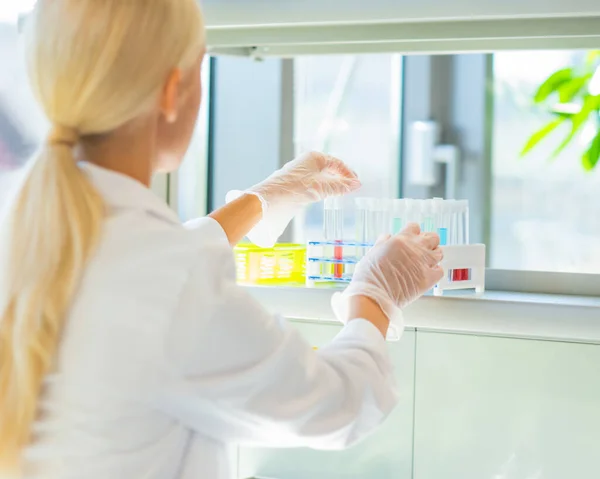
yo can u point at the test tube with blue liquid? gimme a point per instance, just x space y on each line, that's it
442 219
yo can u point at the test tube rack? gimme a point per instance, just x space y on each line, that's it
336 268
464 268
463 265
333 260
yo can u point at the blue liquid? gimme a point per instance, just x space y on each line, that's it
397 226
443 232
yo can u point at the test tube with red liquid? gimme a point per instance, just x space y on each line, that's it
333 231
461 223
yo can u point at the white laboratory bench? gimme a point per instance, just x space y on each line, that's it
505 386
519 315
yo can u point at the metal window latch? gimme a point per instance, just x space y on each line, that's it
424 155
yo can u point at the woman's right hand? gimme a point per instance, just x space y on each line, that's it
398 270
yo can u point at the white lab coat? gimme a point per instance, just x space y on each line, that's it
165 363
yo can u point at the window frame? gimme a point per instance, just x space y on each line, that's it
426 93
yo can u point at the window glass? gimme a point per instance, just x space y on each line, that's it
22 124
349 106
545 212
189 193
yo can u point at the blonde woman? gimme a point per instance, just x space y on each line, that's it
126 348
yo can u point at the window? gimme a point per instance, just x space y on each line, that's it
534 214
545 213
22 124
349 107
188 192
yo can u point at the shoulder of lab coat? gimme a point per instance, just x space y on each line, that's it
198 347
239 374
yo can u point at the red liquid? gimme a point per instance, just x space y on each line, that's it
460 275
338 269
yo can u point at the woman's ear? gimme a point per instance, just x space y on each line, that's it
170 94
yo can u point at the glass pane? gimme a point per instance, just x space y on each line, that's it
22 124
349 106
545 212
190 198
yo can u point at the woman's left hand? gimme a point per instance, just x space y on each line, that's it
309 178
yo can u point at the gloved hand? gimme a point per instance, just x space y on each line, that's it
309 178
396 272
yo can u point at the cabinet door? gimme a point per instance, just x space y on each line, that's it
506 408
386 454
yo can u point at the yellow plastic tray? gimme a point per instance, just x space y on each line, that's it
282 264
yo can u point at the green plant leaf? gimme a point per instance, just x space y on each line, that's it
570 89
552 84
592 155
592 56
541 134
590 105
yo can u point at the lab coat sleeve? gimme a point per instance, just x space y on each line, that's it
238 374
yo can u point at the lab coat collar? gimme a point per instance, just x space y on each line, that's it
121 191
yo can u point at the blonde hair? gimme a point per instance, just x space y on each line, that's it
94 65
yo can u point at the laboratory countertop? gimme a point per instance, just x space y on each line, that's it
506 314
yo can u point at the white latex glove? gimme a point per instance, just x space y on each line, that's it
397 271
309 178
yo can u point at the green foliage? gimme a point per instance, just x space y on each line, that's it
570 87
541 134
591 156
553 84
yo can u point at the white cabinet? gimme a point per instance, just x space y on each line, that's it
385 455
495 408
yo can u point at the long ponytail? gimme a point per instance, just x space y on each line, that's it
56 222
94 66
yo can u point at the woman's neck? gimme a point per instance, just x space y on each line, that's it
128 151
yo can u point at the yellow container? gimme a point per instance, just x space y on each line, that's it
282 264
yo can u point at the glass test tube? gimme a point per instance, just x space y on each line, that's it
441 220
333 230
461 209
465 220
362 220
398 215
412 211
427 216
451 217
382 218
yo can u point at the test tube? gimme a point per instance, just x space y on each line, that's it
398 215
382 218
427 216
441 220
451 218
464 212
333 230
362 220
461 212
413 213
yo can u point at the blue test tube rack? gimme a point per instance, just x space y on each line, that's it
321 269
